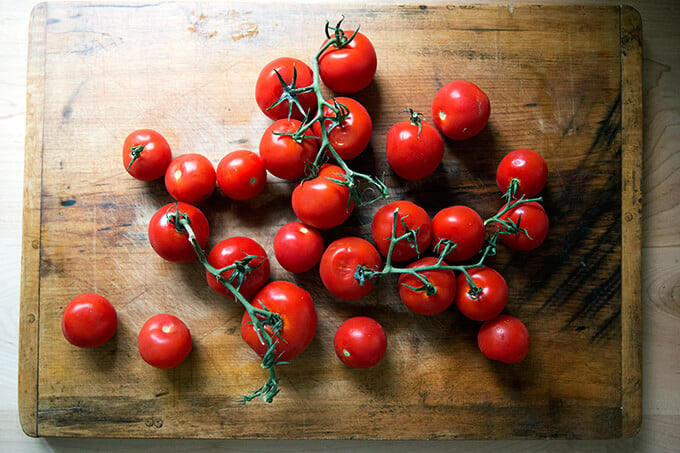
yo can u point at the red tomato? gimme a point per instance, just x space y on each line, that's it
241 175
460 110
282 155
350 68
172 243
339 264
190 178
504 338
164 341
414 216
420 302
227 252
353 135
323 203
492 299
268 88
146 154
360 342
463 226
532 218
298 247
89 321
527 167
412 152
295 307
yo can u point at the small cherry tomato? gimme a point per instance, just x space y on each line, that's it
360 342
146 154
414 217
89 321
282 155
298 247
504 338
460 110
461 225
350 68
527 168
492 299
171 241
339 265
530 217
414 148
190 178
164 341
350 137
443 280
268 89
227 252
321 202
241 175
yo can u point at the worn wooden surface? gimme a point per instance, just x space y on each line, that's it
554 77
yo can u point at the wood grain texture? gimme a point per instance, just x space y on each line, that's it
190 74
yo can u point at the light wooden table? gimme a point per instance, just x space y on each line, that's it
661 258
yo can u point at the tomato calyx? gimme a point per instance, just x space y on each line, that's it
135 153
290 94
339 39
415 118
508 226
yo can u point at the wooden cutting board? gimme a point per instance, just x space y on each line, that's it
565 81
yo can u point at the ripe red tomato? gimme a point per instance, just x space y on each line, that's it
460 109
412 152
320 202
360 342
227 252
414 216
339 264
172 243
420 302
353 135
151 154
89 321
527 167
282 155
531 217
164 341
268 88
295 307
504 338
298 247
492 299
461 225
350 68
190 178
241 175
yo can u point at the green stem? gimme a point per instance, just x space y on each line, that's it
135 153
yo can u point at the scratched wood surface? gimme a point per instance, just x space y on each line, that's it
559 83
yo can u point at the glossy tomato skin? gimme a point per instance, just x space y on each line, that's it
268 88
527 167
339 263
164 341
414 216
174 245
531 217
411 155
420 302
490 302
350 68
320 202
462 225
190 178
241 175
352 136
460 110
360 342
298 315
227 252
504 338
281 155
298 247
89 320
153 159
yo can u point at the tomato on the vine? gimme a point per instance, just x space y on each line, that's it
268 89
164 341
461 225
298 247
504 338
241 175
89 320
281 154
527 168
414 148
169 239
350 68
530 217
443 280
360 342
414 217
321 202
146 154
350 137
491 299
190 178
460 109
339 264
227 252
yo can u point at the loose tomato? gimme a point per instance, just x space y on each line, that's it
227 252
268 89
460 109
414 217
414 148
146 154
350 137
461 225
360 342
241 175
89 321
190 178
169 239
164 341
527 168
339 264
298 247
284 157
298 320
530 217
321 202
350 68
504 338
443 280
492 299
